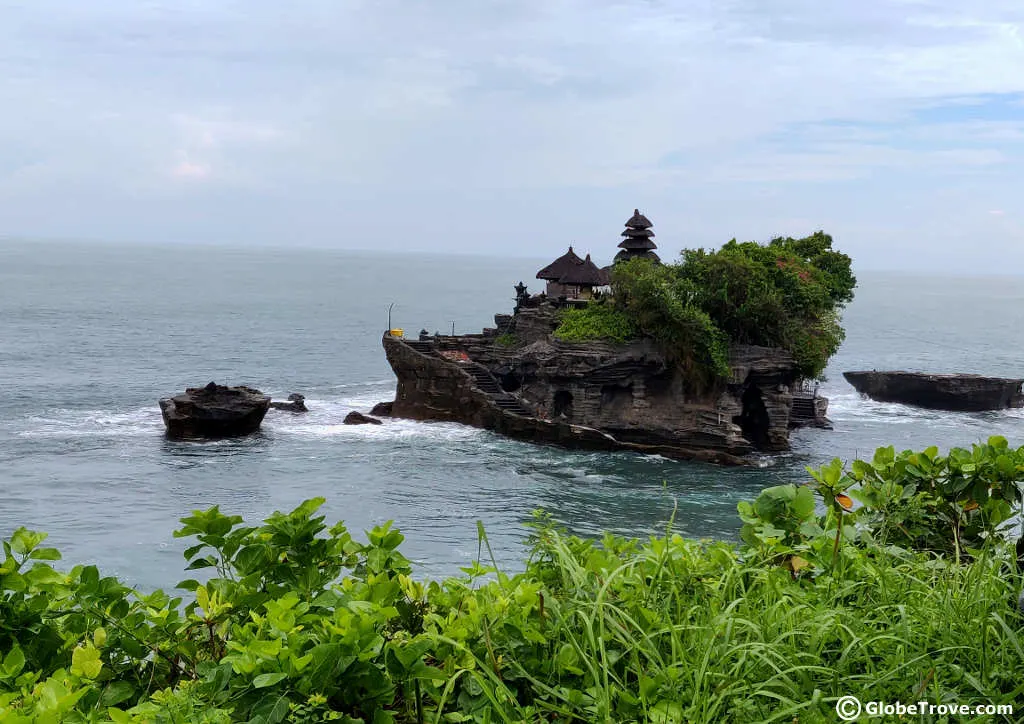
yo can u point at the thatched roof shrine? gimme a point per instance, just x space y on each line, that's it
560 266
586 273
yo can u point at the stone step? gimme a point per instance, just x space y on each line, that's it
422 346
803 407
482 379
713 418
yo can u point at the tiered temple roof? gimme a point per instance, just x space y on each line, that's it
638 241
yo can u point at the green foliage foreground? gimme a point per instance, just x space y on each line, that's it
911 596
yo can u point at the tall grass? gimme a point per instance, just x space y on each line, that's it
681 631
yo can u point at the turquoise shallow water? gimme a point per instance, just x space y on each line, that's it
91 335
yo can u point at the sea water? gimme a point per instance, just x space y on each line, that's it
91 335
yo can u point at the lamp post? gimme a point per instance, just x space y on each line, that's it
389 316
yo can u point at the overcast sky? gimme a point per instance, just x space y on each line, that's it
519 126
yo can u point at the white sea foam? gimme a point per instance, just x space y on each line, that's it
326 419
851 406
370 383
656 458
65 423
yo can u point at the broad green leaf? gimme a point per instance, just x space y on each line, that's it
85 662
803 502
45 554
13 662
116 692
264 680
24 540
119 717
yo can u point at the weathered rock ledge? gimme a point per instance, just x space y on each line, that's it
214 411
597 395
957 392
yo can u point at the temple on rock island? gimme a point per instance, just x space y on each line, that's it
518 379
571 279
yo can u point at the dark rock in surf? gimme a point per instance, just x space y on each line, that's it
214 411
358 418
296 403
957 392
382 409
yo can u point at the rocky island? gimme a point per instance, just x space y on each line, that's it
956 392
214 411
620 383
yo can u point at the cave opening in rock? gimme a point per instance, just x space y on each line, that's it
510 381
563 403
753 420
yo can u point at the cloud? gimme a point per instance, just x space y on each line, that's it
537 120
189 170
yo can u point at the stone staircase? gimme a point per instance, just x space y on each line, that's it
421 346
485 382
713 418
803 408
482 379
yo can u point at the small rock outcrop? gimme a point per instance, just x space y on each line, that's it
382 409
296 403
214 411
358 418
957 392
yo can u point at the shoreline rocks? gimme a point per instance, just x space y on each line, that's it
382 409
358 418
956 392
214 411
296 403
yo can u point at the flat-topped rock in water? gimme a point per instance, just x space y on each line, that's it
957 392
296 403
214 411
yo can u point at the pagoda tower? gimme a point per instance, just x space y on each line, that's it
638 239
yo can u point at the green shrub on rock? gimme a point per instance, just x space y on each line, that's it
596 321
786 294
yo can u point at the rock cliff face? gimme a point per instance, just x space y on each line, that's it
595 395
964 393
